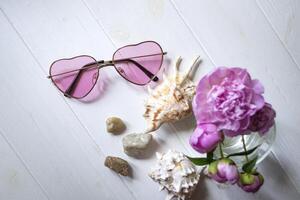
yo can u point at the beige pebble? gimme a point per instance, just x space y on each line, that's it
115 125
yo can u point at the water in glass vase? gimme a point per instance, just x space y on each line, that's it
234 145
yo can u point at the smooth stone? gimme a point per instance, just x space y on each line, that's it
115 125
135 144
117 164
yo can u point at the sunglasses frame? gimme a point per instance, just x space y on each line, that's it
101 64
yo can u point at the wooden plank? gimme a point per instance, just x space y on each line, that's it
284 17
16 182
236 33
45 132
163 24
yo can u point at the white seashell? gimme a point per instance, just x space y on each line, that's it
171 100
175 173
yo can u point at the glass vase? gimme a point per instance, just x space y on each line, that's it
235 145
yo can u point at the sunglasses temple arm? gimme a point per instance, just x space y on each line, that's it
74 83
146 72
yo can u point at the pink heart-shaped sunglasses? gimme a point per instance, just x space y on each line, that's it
137 63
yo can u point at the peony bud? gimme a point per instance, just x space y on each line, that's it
223 171
250 182
205 138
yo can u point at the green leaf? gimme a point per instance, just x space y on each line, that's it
199 161
244 152
249 166
209 156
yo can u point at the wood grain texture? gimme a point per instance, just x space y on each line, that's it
16 182
284 17
63 141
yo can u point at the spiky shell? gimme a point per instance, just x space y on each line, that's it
175 173
171 100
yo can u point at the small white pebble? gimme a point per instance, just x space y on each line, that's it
135 144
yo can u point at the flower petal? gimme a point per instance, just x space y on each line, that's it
257 87
259 101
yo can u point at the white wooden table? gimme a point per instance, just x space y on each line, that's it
54 148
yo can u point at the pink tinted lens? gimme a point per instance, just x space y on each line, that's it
81 81
151 59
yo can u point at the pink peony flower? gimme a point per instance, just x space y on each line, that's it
228 97
263 120
223 171
251 182
205 138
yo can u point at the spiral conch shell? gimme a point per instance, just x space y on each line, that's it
175 173
171 100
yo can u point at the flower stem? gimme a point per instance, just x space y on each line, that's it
245 149
221 150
